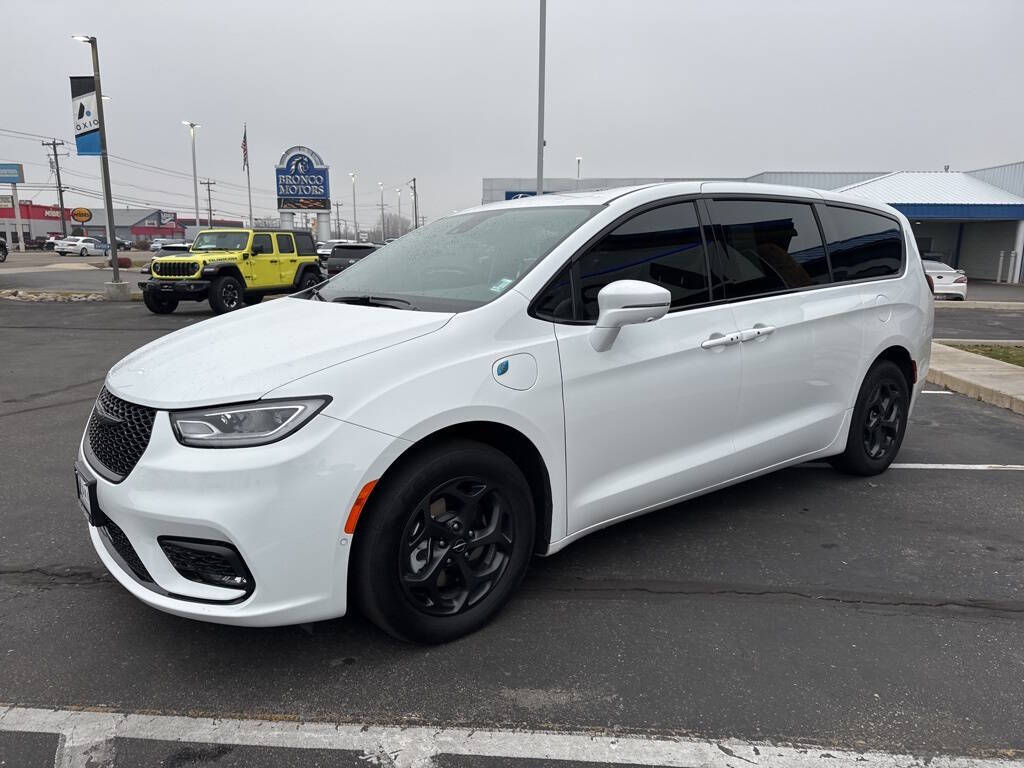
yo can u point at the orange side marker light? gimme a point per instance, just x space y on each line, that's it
357 508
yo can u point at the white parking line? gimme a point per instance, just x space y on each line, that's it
911 465
85 740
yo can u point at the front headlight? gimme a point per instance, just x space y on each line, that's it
237 426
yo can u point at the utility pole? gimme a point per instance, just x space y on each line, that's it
337 214
60 190
209 202
540 99
415 203
398 194
383 225
116 286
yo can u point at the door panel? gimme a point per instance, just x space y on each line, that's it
288 260
266 270
652 418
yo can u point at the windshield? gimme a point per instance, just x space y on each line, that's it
221 241
460 262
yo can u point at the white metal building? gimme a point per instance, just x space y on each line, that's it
973 220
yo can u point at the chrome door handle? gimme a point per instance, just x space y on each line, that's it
720 340
749 334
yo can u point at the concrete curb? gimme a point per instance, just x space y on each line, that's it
979 305
989 342
977 376
20 294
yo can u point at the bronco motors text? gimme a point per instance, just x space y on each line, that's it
497 385
232 268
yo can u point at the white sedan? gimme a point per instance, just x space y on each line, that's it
947 281
80 246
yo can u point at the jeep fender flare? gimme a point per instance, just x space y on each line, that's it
303 269
213 270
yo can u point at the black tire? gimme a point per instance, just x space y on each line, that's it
159 305
226 294
416 572
253 298
879 422
309 279
3 255
84 252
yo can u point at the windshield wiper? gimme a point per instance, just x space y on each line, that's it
372 301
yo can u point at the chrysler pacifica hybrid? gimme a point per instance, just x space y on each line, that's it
495 386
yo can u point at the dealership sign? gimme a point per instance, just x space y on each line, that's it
81 215
12 173
303 181
86 118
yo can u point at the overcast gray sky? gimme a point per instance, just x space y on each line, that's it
446 90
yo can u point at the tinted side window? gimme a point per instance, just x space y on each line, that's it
304 241
769 246
661 246
555 303
263 243
285 244
863 244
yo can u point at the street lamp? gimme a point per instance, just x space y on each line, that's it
355 218
383 225
398 194
108 201
195 178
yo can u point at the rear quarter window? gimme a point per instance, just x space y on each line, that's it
862 244
304 242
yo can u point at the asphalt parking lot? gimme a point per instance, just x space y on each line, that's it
805 607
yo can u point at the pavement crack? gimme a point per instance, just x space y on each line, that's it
38 395
45 576
611 589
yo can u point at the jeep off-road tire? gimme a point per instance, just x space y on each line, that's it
226 294
308 280
159 305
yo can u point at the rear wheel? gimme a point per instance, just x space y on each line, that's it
879 422
308 280
159 305
84 252
443 542
226 294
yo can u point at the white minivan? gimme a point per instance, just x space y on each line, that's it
497 385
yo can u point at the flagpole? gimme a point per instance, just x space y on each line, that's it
248 179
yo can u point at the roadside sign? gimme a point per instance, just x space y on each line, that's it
12 173
81 215
85 116
6 201
302 181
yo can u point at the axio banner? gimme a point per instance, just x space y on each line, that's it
87 121
302 181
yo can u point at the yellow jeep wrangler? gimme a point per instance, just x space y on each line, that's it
232 268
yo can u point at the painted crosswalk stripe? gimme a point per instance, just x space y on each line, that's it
85 739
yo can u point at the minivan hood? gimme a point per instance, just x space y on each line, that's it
245 354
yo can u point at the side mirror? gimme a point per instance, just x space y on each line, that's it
257 250
626 302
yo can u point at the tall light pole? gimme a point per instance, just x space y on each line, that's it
398 194
415 203
195 178
355 218
383 226
579 162
108 201
540 98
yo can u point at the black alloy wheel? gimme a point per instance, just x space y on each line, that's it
456 546
444 540
878 423
884 420
226 294
309 280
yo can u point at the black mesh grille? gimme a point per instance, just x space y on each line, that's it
175 268
126 551
118 433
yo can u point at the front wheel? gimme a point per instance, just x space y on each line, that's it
159 305
879 422
84 252
226 294
443 542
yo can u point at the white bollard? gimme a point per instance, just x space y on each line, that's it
999 269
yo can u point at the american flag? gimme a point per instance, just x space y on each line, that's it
245 147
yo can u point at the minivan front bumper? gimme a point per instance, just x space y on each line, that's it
280 507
